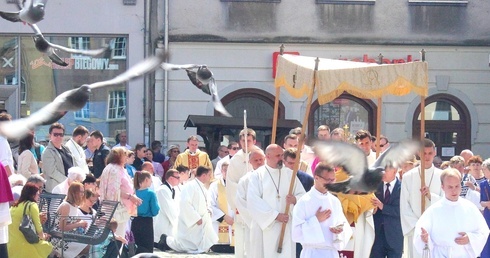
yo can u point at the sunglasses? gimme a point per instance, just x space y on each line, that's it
235 148
58 134
382 145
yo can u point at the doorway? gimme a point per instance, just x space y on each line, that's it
447 123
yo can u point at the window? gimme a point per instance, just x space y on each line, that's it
79 43
117 105
23 91
346 111
438 2
84 113
118 46
345 1
10 79
261 1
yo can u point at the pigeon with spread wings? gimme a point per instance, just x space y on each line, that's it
204 80
362 179
31 11
44 46
75 99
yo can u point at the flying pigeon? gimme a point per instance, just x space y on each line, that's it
73 100
44 46
362 179
204 80
31 11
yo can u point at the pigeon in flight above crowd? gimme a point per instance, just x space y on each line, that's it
31 11
48 48
362 179
75 99
202 79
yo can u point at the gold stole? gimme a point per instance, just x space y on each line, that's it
224 228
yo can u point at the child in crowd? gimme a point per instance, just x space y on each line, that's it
110 248
142 225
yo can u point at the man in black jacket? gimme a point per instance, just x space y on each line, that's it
100 153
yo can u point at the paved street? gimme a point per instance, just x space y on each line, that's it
185 255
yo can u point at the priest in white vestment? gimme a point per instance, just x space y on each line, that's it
267 197
256 159
318 221
237 169
411 192
453 226
195 233
166 220
223 217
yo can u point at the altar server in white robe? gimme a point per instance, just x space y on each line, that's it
195 233
256 159
411 192
237 169
318 221
452 227
166 220
267 197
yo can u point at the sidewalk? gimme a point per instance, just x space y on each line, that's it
185 255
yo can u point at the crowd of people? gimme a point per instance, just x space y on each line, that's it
246 201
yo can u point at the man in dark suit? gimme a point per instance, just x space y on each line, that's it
388 241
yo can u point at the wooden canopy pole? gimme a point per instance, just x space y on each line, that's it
276 106
298 151
422 137
378 126
378 115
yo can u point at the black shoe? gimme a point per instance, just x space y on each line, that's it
162 244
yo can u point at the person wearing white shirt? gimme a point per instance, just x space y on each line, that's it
75 174
75 143
453 226
412 192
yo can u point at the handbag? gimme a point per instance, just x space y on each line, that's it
27 227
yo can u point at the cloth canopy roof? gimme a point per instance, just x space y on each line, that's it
363 80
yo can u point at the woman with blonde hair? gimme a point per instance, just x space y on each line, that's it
116 185
68 221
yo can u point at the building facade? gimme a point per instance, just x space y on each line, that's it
237 39
29 80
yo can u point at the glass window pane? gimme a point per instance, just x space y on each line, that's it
8 60
441 111
45 80
341 112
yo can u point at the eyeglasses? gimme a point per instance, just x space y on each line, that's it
176 151
328 180
58 134
235 148
177 177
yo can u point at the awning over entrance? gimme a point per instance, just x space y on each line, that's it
213 128
237 123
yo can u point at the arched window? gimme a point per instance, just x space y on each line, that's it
447 123
347 110
258 103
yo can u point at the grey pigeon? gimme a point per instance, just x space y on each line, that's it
44 46
31 11
193 77
204 80
73 100
362 179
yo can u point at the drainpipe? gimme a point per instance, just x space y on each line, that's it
147 80
165 78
